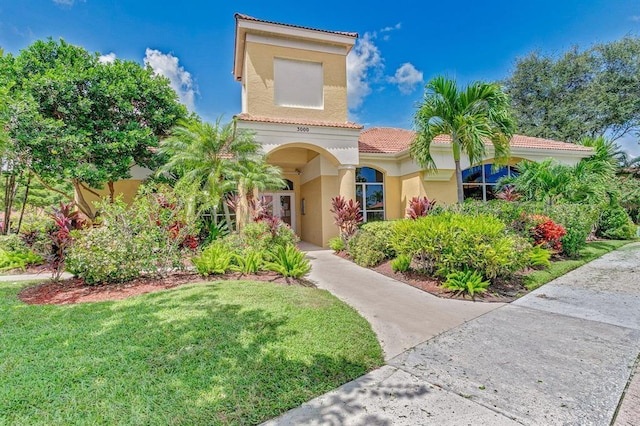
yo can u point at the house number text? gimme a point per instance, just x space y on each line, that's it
303 129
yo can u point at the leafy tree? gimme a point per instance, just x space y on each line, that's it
581 93
99 119
471 117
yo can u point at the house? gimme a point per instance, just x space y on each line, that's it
294 99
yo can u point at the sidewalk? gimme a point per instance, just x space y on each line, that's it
562 354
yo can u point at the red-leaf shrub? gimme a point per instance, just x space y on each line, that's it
66 219
548 234
346 215
419 207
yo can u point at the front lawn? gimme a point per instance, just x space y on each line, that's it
235 352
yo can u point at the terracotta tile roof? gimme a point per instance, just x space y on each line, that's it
300 122
250 18
387 140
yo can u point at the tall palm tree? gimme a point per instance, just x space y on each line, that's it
203 156
471 117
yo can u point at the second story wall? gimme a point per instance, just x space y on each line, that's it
294 82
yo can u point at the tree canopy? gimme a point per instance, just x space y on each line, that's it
470 116
579 94
75 118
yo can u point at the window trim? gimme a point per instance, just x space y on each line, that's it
363 207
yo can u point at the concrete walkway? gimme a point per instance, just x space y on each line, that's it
33 277
560 355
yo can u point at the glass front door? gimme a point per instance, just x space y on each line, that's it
282 205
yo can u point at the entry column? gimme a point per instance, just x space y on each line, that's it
347 181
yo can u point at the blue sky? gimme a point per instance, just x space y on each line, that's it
401 45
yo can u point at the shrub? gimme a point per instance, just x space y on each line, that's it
65 219
468 281
402 263
539 257
347 216
12 242
419 207
450 242
371 244
147 237
248 263
106 254
215 259
263 237
289 262
548 234
18 259
616 224
336 244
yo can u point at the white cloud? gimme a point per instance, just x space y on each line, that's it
629 144
107 59
364 65
407 77
66 2
181 81
395 27
635 18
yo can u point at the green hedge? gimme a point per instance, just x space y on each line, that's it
372 243
448 242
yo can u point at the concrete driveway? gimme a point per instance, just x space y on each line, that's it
563 354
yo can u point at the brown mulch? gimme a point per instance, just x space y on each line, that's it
75 290
497 292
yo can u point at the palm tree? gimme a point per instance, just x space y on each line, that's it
471 117
204 155
251 175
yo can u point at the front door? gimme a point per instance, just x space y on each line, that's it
282 205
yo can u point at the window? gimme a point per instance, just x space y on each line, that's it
479 182
298 83
370 193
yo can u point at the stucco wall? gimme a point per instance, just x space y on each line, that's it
259 83
128 188
311 221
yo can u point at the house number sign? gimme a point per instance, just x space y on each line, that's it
303 129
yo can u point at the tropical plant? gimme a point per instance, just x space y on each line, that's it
539 257
371 244
347 216
616 224
18 259
468 281
508 193
250 262
402 263
289 262
471 117
66 219
215 259
419 206
202 156
336 244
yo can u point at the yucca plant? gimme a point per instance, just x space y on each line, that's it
467 281
215 259
289 262
249 263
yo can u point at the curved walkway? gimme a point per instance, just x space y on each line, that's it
562 354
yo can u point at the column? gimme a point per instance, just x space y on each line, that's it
347 181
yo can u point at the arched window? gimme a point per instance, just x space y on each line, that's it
479 182
370 193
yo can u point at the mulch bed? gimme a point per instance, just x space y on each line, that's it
497 292
75 290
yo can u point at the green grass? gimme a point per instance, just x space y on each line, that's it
592 251
234 352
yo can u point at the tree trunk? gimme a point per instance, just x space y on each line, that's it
9 194
242 210
459 182
227 213
112 192
24 202
80 201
